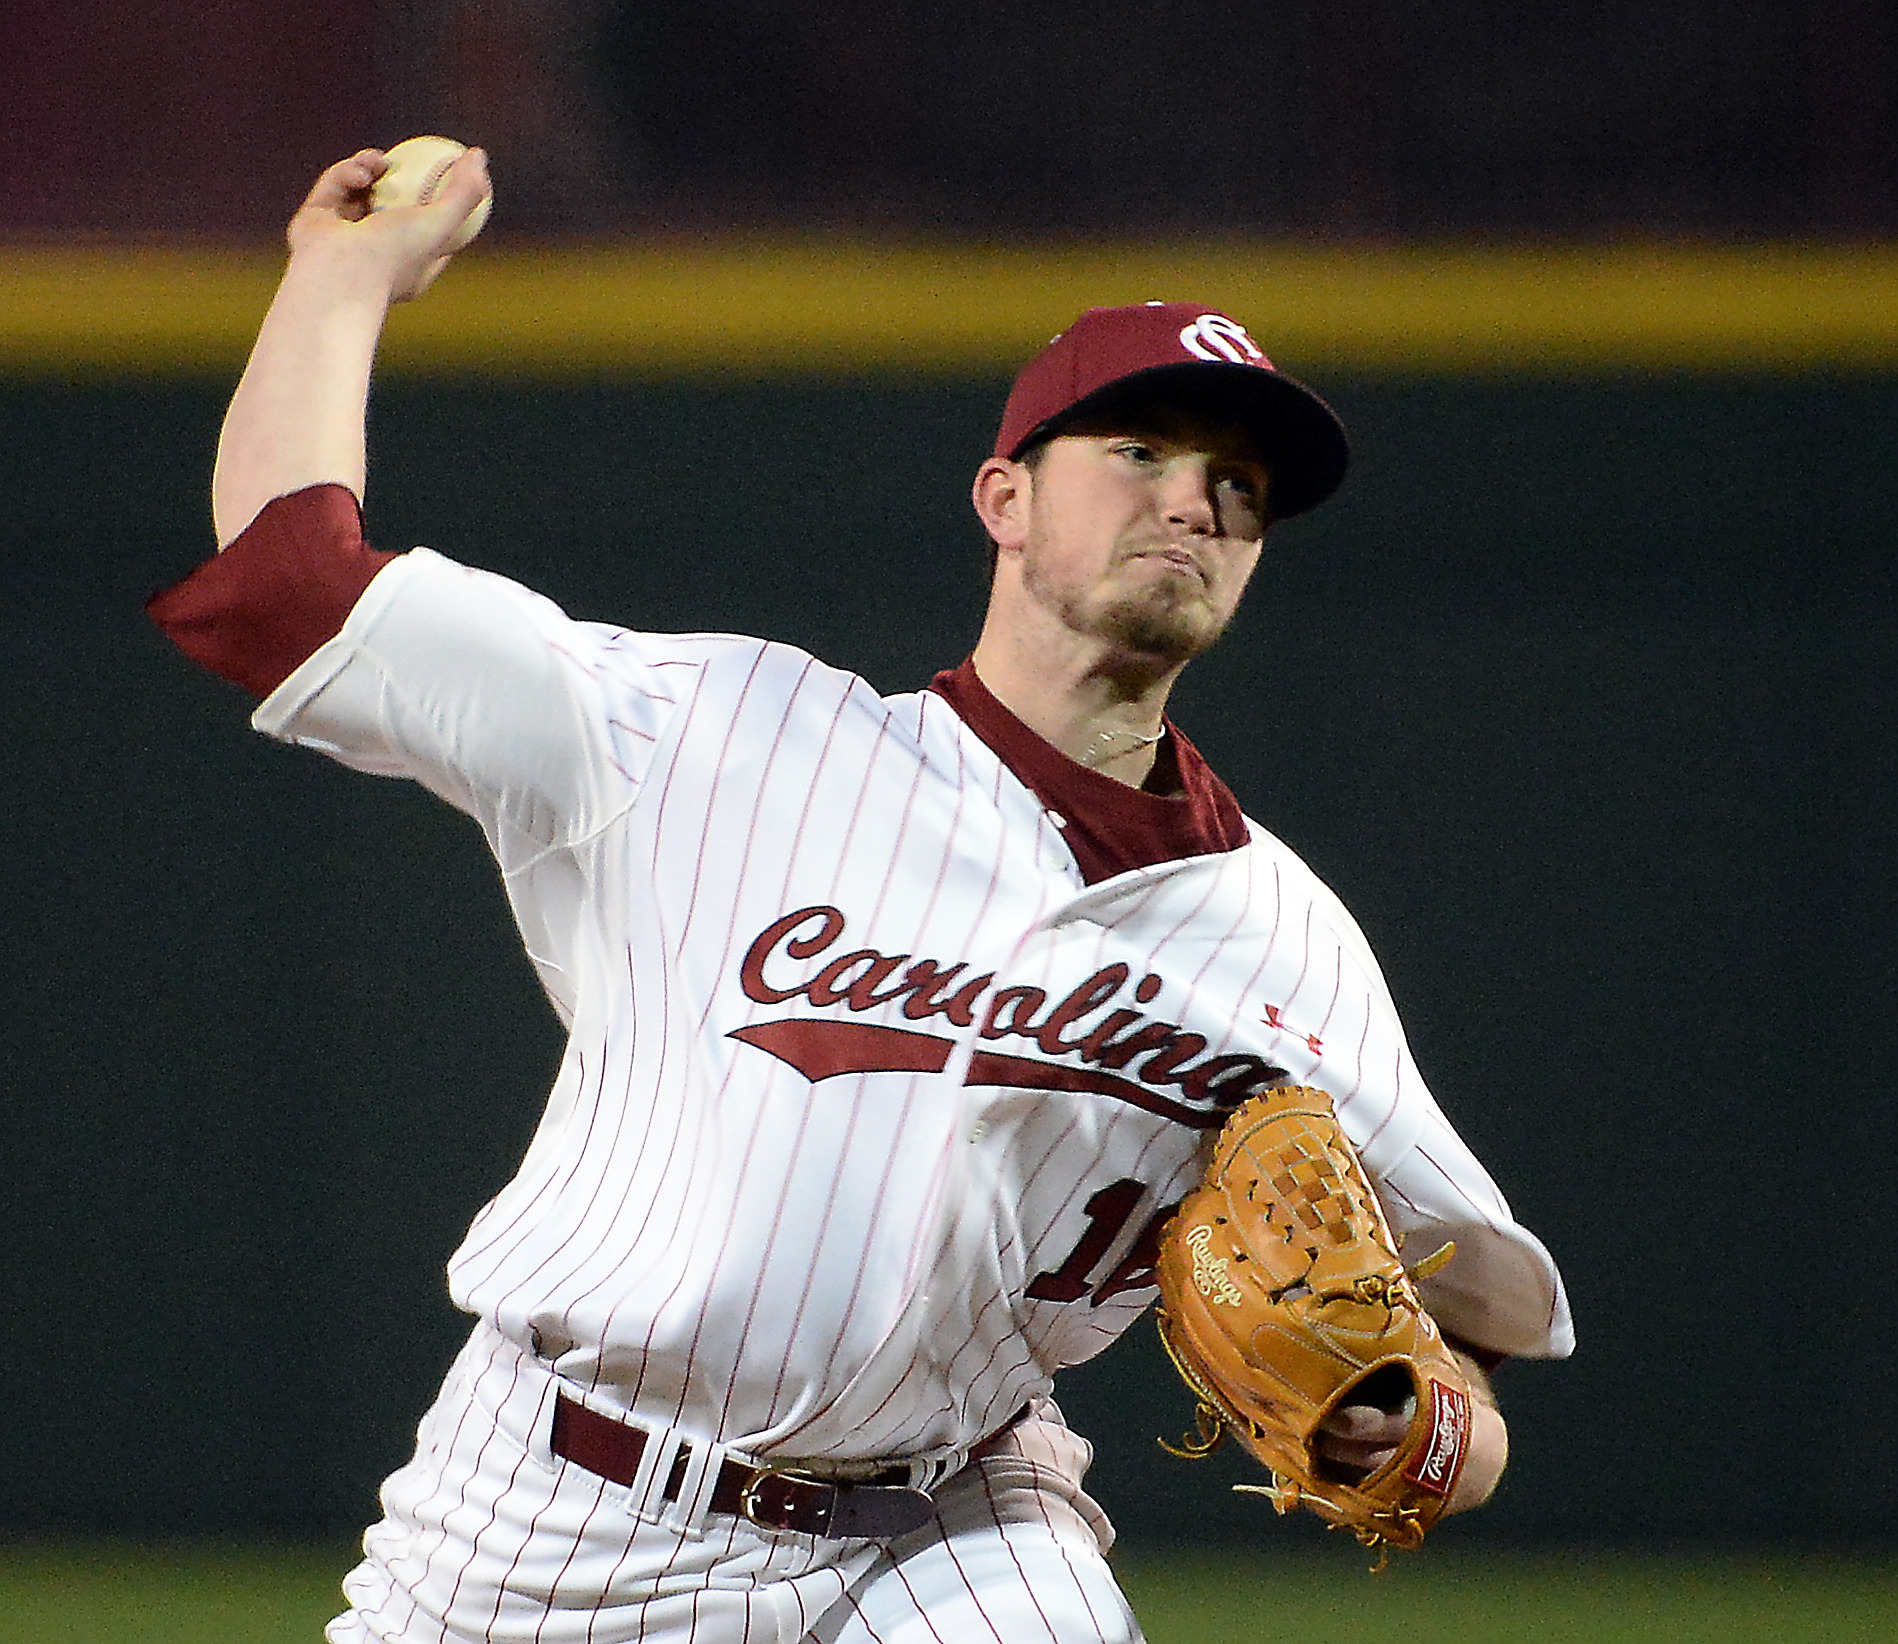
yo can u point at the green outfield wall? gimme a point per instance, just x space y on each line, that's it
1581 694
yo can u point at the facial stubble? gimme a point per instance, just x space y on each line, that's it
1165 623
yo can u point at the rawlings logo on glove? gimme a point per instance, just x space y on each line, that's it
1282 1301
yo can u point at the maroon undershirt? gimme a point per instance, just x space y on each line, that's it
253 614
1184 809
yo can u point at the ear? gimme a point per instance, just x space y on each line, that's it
1002 493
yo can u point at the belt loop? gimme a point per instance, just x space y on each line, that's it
645 1496
687 1514
679 1484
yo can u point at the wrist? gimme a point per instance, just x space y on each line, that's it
329 281
1483 1465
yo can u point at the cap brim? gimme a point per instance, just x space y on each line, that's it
1299 436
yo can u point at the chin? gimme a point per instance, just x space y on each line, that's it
1171 633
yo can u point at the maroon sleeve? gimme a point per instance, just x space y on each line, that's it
254 613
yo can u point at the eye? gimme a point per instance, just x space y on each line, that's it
1135 451
1242 503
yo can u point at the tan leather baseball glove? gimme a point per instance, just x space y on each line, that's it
1283 1300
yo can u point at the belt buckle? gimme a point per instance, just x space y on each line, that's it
785 1519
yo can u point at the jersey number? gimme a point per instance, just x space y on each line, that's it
1107 1213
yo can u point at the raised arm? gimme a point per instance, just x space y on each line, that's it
297 417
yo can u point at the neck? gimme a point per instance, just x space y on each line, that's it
1107 718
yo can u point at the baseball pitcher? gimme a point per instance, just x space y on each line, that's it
898 1030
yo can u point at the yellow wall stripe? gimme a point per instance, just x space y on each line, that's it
752 308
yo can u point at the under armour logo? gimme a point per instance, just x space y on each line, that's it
1214 337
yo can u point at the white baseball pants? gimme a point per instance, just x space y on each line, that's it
489 1538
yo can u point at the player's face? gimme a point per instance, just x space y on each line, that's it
1144 532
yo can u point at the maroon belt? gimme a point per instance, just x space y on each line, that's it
773 1498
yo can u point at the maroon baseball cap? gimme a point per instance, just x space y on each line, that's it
1118 358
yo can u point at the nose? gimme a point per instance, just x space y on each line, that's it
1188 496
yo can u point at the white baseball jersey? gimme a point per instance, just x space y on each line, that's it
867 1100
871 1108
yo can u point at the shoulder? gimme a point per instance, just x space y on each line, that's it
1287 865
423 591
767 691
425 599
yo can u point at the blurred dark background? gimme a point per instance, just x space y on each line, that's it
1355 117
1581 694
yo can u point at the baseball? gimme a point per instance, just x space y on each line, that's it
416 168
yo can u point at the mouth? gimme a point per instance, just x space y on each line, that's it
1176 559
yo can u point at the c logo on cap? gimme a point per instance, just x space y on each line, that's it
1214 337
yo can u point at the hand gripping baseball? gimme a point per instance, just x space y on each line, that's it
401 246
296 419
1284 1303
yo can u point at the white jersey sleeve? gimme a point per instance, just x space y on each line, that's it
1337 1027
495 704
539 727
